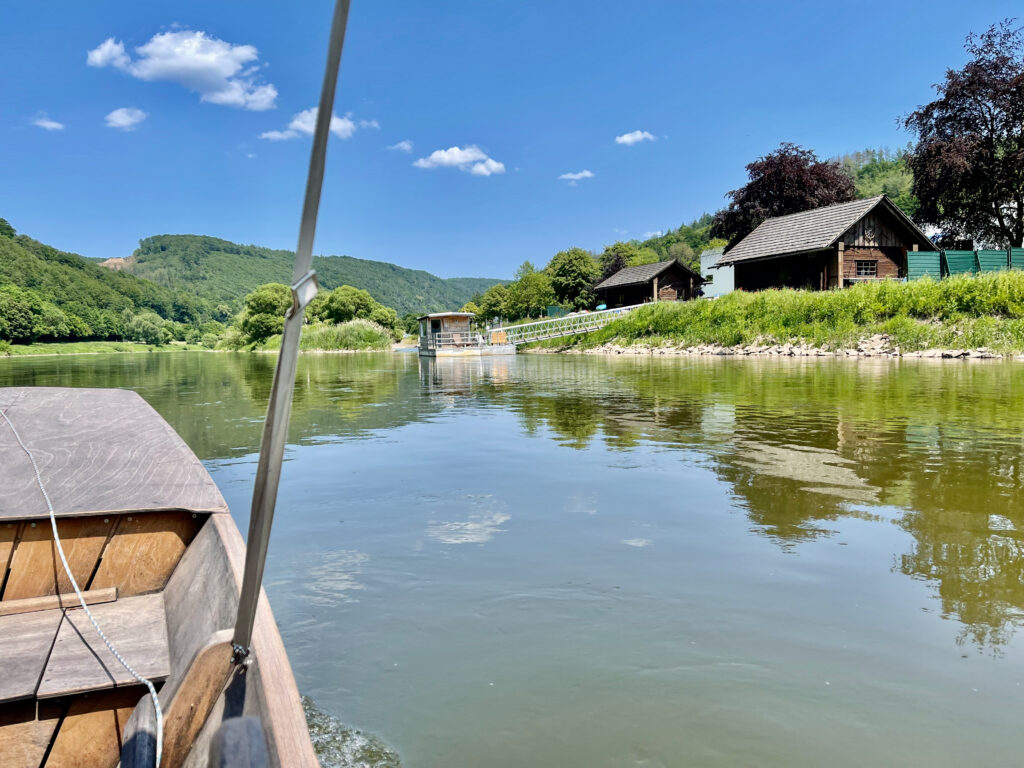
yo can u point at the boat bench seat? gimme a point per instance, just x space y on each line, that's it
57 652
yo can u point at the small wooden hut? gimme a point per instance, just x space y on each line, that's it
662 281
831 247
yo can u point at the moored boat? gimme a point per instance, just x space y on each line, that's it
158 559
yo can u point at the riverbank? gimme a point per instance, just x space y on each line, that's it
875 346
956 317
90 348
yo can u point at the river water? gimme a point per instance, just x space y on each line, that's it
583 561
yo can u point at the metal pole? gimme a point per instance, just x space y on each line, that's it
304 288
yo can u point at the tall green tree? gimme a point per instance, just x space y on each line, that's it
263 315
617 257
968 163
530 293
573 273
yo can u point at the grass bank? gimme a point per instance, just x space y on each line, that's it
959 312
86 348
353 336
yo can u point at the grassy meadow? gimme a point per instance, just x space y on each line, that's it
958 312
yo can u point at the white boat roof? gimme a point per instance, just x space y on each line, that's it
435 315
99 451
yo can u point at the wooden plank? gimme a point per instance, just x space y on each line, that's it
284 720
144 550
204 682
66 600
25 733
25 643
36 569
91 732
100 451
80 662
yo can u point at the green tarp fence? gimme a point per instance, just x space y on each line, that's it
960 262
924 264
992 261
1017 258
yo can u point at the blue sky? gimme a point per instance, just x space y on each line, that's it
162 133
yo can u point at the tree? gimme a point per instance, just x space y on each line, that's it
968 163
263 315
147 327
530 294
494 303
617 257
573 273
789 180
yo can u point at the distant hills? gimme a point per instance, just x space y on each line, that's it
74 294
221 272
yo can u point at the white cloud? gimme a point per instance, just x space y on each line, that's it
47 124
572 178
403 146
369 124
634 137
655 233
618 231
471 159
304 123
109 53
221 73
125 118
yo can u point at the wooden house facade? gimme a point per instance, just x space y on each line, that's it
831 247
662 281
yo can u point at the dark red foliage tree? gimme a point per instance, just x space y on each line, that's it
789 180
968 163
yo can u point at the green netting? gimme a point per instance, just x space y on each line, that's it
960 262
992 261
922 263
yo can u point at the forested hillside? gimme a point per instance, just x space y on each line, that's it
222 272
50 294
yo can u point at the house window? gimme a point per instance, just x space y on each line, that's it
867 269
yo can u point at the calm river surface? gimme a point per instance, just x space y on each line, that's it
566 561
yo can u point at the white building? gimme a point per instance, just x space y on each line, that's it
720 280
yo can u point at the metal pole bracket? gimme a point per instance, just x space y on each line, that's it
305 290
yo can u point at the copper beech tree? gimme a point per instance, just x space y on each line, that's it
789 180
968 163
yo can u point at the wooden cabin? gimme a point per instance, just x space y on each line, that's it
831 247
662 281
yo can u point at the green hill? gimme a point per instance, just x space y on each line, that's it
218 271
50 294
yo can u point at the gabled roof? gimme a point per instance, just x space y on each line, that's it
813 230
643 273
711 253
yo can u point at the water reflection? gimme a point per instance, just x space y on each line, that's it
935 449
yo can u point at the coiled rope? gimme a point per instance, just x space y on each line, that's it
81 599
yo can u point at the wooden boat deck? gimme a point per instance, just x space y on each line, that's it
150 541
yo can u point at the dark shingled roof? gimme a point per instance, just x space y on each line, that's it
813 230
641 274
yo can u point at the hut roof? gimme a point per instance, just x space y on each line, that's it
434 315
814 230
643 273
99 451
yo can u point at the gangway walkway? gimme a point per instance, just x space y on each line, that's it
570 325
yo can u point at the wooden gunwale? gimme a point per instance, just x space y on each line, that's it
90 447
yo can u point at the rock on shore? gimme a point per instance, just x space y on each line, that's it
879 345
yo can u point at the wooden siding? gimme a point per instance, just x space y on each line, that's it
873 231
890 261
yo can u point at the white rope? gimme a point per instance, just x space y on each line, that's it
81 599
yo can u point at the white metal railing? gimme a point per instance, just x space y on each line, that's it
451 340
570 325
